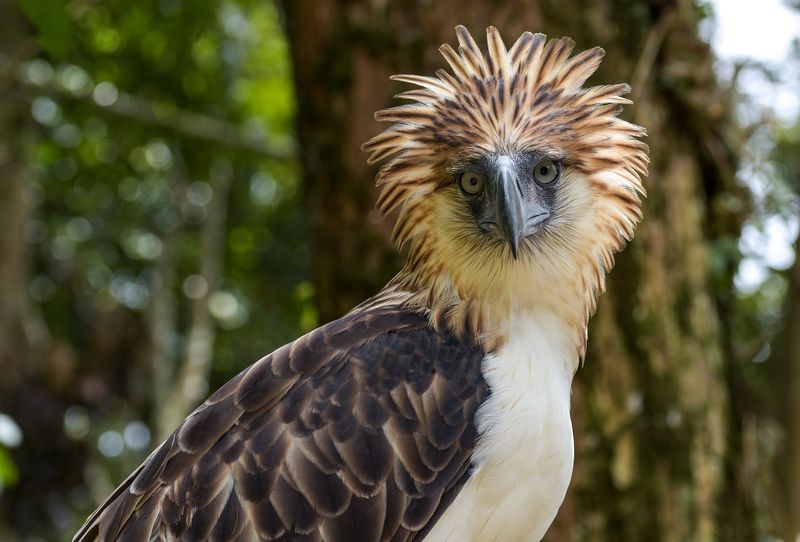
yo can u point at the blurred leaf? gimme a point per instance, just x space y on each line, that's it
8 471
52 24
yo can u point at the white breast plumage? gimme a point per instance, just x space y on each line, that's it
523 461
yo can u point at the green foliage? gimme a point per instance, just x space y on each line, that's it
122 201
786 156
8 471
113 193
52 24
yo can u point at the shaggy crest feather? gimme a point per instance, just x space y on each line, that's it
528 97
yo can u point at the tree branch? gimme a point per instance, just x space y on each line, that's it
128 106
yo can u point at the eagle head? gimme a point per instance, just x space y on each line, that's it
513 184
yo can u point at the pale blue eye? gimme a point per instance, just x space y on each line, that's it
545 171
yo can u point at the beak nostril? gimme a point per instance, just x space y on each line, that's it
537 219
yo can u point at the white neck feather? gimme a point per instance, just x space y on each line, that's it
523 461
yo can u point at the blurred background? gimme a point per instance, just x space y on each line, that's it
182 191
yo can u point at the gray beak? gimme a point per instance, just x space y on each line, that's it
510 208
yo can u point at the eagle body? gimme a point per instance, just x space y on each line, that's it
438 410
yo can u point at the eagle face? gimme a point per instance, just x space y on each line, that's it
509 197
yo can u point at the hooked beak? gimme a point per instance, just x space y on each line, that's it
510 208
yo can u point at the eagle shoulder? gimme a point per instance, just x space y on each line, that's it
362 429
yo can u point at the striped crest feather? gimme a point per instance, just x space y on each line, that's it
529 97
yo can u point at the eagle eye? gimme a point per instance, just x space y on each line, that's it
545 171
471 183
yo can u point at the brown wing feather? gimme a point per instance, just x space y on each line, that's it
361 430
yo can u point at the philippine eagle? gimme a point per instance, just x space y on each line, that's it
438 409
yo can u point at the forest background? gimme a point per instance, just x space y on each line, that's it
182 191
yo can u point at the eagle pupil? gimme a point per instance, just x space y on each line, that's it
544 170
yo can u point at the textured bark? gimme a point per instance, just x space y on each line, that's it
788 358
658 451
658 456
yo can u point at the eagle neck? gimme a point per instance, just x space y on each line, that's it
493 316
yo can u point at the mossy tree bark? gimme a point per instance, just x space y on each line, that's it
658 433
785 372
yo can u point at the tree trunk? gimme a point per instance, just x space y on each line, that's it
344 53
788 384
21 329
659 441
658 456
191 385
